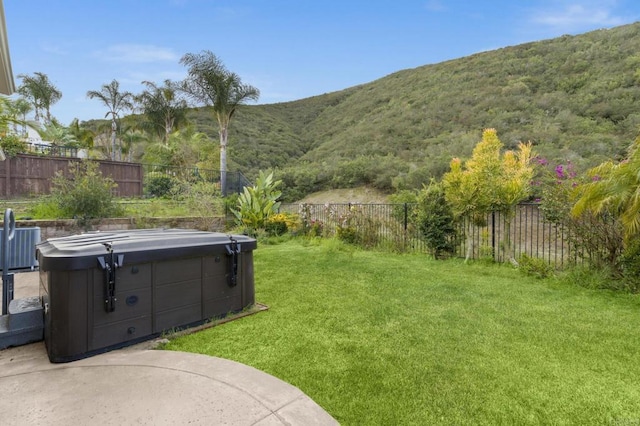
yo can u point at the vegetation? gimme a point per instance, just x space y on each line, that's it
84 194
163 110
574 97
436 221
210 83
489 182
400 339
116 102
40 92
257 203
12 145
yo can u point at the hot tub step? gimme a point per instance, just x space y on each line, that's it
23 324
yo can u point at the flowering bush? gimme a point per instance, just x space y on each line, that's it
595 238
280 223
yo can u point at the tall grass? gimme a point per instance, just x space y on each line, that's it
399 339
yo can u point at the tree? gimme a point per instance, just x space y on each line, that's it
487 182
615 189
40 92
9 117
82 134
116 101
210 83
435 220
22 107
58 136
164 111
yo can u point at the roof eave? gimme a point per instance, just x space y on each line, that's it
7 85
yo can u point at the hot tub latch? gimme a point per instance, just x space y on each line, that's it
109 265
233 250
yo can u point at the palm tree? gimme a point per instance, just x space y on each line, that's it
210 83
130 137
615 188
117 102
59 136
22 107
164 111
82 134
40 92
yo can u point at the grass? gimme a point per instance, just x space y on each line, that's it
376 338
44 208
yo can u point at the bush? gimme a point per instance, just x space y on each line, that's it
160 185
279 224
534 266
434 219
12 145
257 203
85 194
358 228
630 264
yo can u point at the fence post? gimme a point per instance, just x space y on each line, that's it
493 235
406 214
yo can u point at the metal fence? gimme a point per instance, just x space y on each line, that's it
501 238
49 149
236 181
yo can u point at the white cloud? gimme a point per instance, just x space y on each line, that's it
577 16
435 6
54 49
140 53
155 76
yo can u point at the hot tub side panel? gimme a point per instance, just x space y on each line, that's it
132 317
177 293
66 319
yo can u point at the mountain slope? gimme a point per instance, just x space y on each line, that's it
575 97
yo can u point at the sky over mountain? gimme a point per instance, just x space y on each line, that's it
289 49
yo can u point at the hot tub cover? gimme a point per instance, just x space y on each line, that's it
141 245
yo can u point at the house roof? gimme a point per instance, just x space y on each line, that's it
7 85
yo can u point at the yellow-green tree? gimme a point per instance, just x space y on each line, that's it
489 181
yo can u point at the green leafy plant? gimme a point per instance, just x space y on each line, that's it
435 221
534 266
281 223
84 194
356 227
258 202
159 185
12 145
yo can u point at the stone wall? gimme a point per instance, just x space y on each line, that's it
65 227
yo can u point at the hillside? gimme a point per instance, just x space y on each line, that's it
575 97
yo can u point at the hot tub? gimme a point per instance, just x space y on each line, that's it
103 290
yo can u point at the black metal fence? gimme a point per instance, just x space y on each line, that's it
236 181
502 238
49 149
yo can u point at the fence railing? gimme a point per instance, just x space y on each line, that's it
53 150
236 181
502 238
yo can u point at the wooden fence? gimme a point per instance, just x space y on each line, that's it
25 175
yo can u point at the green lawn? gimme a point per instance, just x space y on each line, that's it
379 338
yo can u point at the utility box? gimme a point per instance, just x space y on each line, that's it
104 290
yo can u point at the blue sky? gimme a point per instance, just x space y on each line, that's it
288 49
